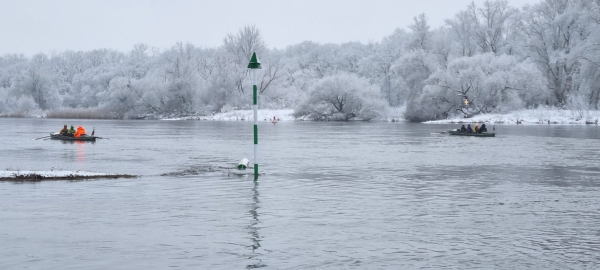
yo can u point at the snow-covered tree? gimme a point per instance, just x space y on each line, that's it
341 97
480 84
412 70
421 35
483 54
378 65
557 35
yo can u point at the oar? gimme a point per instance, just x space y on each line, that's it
94 130
42 137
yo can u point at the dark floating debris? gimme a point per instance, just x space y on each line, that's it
34 176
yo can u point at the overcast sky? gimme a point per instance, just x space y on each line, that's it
33 26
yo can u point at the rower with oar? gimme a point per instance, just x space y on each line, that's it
67 132
64 130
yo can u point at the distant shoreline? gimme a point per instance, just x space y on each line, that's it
543 116
530 117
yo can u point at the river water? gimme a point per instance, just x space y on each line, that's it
333 196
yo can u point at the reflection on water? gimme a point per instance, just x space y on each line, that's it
76 142
254 230
76 149
80 151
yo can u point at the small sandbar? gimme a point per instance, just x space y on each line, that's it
38 176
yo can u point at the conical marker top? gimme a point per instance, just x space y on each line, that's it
254 62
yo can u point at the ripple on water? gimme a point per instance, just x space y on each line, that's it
334 196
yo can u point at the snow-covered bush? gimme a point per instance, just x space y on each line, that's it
341 97
24 105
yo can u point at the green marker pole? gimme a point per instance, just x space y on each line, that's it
254 65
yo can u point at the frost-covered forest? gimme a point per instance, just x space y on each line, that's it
492 58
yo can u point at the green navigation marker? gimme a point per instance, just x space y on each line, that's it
254 65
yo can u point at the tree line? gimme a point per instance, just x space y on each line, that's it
486 59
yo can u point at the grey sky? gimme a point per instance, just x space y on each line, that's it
33 26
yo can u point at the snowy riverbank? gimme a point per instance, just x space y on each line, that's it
536 116
243 115
393 115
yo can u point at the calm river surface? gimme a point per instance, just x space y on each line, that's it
335 196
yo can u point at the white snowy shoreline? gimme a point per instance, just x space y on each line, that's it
56 175
266 115
535 116
244 115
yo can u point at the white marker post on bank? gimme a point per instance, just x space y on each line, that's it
254 65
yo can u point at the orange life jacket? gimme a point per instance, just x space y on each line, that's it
80 131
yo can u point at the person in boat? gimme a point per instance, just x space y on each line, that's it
71 131
469 128
482 129
80 132
463 129
64 130
476 128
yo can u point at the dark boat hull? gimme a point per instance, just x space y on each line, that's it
457 133
85 138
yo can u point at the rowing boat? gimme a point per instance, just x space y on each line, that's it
86 138
484 134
